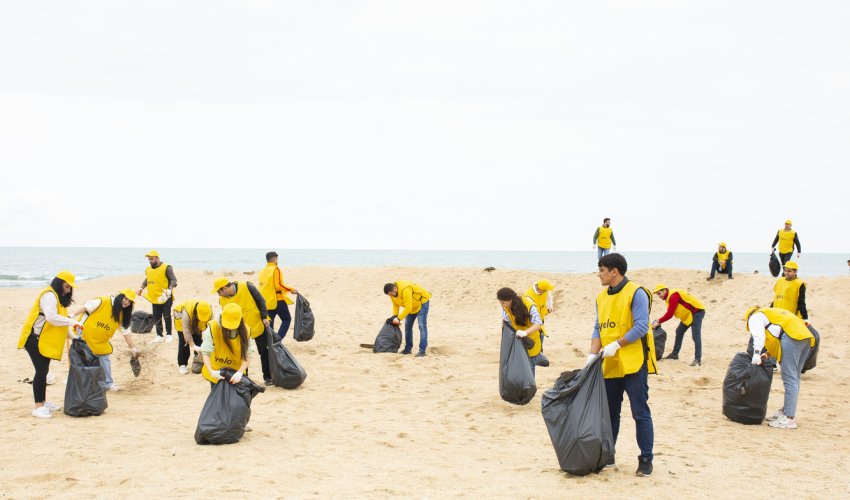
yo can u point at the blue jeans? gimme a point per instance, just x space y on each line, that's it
422 317
715 268
794 355
636 386
696 332
107 371
602 252
281 311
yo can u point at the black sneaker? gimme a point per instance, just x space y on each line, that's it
611 463
420 354
671 356
695 362
644 466
405 352
269 382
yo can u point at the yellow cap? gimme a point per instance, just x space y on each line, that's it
788 222
130 294
723 244
152 253
204 311
791 265
749 312
66 276
231 316
218 283
659 287
545 285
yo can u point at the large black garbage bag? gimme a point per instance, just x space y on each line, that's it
774 265
285 370
660 337
812 360
84 396
746 389
576 414
305 322
141 322
516 380
388 339
227 410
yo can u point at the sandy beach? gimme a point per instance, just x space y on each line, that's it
370 425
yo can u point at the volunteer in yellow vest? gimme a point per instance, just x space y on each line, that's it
414 303
604 239
525 318
254 314
623 336
787 239
158 287
191 318
789 292
43 335
225 345
690 313
721 262
538 292
788 340
276 294
103 317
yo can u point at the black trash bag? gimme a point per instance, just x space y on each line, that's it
576 414
389 338
660 337
774 265
812 360
141 322
746 389
227 410
305 322
516 380
84 396
285 370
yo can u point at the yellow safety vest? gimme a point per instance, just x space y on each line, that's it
786 294
604 238
100 326
51 340
722 258
683 313
157 283
786 240
188 306
419 296
535 349
250 311
615 319
791 325
223 356
540 300
267 288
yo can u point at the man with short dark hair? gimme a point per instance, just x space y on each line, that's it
414 303
276 294
604 239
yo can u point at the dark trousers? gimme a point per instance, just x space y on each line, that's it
263 351
696 333
183 351
41 365
715 268
785 257
636 386
160 312
282 311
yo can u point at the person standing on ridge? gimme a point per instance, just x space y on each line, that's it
603 238
787 239
158 286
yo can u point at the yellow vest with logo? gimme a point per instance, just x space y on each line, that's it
250 311
266 287
791 325
157 283
51 341
188 306
786 294
615 320
535 349
99 327
786 240
222 356
722 258
683 313
419 294
604 238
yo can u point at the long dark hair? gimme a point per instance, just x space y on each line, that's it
193 321
66 299
243 338
518 309
122 315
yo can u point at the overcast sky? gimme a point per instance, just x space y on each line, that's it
424 125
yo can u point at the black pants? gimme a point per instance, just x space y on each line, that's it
785 257
160 312
183 351
282 311
42 366
263 351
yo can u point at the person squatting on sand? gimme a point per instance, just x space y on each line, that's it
225 345
414 302
538 292
43 335
787 339
102 317
622 333
253 311
787 239
603 238
159 286
525 318
789 292
276 294
721 262
689 311
191 319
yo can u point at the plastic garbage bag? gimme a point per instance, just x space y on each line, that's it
389 338
304 324
746 389
285 370
774 265
660 337
84 395
812 360
227 410
516 380
141 322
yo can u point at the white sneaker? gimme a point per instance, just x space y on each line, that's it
42 412
157 340
248 428
114 388
51 407
776 415
51 379
168 338
183 370
783 422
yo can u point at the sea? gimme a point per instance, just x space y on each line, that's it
35 266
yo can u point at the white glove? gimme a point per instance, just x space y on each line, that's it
590 358
236 377
196 349
611 349
521 333
614 248
756 358
216 374
167 292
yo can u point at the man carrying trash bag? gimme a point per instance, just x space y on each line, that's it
623 335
